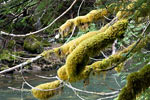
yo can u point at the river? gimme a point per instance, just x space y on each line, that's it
97 83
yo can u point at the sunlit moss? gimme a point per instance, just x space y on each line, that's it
66 27
137 82
79 57
80 21
82 75
70 46
43 94
119 56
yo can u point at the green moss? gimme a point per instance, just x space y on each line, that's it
119 56
11 44
77 60
82 21
6 55
31 44
85 73
137 82
44 95
3 67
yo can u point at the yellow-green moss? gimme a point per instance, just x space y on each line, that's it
80 21
120 67
44 95
137 82
77 60
70 46
83 75
117 57
66 49
66 27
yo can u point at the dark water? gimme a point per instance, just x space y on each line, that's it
97 84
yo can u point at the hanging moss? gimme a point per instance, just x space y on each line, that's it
31 44
137 82
44 95
77 60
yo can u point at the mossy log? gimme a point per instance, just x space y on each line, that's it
137 82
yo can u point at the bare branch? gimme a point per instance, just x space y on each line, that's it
22 64
31 33
110 97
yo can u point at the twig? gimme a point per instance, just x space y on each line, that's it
113 47
80 8
19 57
70 35
104 54
110 97
15 89
55 77
76 93
38 88
95 59
21 65
31 33
74 26
117 82
90 92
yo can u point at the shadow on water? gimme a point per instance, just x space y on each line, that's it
97 84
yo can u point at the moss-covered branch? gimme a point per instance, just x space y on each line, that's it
78 59
82 20
46 90
137 82
75 68
119 56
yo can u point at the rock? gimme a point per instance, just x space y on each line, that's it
32 45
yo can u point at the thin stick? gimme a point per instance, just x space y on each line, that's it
75 26
20 65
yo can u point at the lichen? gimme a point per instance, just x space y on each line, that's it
43 94
137 82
